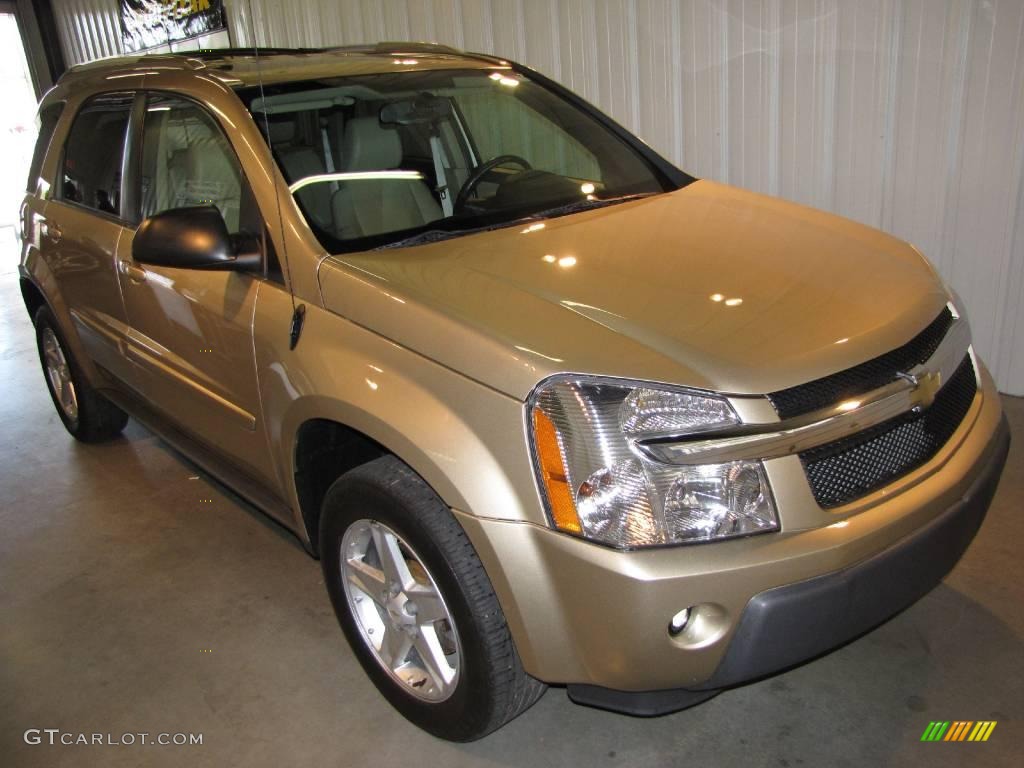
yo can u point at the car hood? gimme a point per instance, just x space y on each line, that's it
708 286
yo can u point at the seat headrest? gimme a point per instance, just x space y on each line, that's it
367 146
281 131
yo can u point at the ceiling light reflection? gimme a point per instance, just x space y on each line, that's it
540 354
355 176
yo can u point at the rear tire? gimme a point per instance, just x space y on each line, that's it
385 501
85 413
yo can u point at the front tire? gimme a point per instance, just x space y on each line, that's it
85 413
417 607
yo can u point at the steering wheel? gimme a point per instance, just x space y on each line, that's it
482 170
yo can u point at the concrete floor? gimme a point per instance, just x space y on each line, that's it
137 595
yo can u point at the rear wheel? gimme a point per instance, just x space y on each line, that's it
86 414
416 605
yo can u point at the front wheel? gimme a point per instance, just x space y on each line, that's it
416 605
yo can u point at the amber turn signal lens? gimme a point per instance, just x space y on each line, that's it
552 470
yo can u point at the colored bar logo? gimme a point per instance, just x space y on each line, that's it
959 730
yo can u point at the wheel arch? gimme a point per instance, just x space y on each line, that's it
39 288
32 296
336 437
325 450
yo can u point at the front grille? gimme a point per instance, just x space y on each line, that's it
875 373
854 466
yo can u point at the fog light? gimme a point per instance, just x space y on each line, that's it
679 622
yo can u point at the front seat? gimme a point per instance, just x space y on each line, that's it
208 175
366 207
299 161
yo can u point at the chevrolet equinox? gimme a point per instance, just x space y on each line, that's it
548 409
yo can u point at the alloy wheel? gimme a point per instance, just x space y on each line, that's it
400 611
59 373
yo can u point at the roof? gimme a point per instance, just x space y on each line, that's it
250 66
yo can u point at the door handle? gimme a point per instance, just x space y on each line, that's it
132 272
51 232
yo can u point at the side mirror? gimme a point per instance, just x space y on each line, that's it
194 238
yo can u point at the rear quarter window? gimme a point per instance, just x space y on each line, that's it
47 121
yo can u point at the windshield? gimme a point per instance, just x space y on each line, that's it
375 160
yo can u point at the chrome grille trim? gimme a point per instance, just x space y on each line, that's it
913 391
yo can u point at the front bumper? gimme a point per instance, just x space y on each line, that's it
783 626
786 625
597 619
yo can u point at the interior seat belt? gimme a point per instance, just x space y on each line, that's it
328 155
440 161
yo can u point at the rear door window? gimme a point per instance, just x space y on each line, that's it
91 171
48 118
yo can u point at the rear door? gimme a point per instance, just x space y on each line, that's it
82 223
191 330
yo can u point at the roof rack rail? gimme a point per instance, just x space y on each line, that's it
218 53
395 46
390 48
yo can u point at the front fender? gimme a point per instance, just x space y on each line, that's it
466 440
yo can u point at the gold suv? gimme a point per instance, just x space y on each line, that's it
548 409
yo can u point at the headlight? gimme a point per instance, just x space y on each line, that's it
598 485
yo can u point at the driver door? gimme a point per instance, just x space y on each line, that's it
191 330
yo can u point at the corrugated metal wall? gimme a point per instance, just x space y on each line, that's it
89 29
904 114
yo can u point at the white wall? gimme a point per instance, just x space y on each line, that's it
904 114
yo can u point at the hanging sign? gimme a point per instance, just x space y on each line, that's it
148 23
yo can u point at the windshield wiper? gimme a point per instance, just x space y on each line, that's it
585 205
436 235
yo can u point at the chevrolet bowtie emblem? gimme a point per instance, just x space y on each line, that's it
926 386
